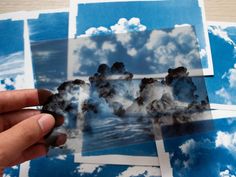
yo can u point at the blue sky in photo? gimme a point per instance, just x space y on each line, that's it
222 86
11 37
154 15
209 154
140 149
49 60
48 36
64 166
11 48
49 26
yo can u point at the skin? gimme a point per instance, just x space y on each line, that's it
22 130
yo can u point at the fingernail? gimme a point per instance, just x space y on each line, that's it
46 122
61 139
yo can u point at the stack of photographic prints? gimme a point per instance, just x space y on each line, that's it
147 88
12 52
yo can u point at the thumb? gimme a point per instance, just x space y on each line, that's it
24 134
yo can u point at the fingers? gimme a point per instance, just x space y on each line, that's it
23 135
12 118
61 139
35 151
56 139
18 99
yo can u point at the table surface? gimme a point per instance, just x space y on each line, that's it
216 10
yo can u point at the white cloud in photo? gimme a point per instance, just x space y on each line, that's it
124 39
122 26
13 58
226 173
185 36
203 53
8 81
12 65
132 52
17 82
227 92
226 140
220 32
78 48
60 157
84 169
6 175
2 87
15 167
88 53
182 25
157 38
224 94
166 47
108 46
190 151
232 77
140 171
188 147
44 55
96 31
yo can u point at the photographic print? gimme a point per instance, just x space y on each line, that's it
12 61
109 113
49 60
48 25
222 86
144 53
65 166
205 154
48 32
127 16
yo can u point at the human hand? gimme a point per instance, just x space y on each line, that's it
22 131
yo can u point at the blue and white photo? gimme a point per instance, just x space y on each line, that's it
12 52
222 86
205 154
48 25
106 116
103 17
49 59
144 53
48 32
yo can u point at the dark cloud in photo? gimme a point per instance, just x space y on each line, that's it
115 110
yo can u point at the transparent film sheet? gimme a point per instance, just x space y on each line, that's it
113 102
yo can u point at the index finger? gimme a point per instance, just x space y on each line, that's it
18 99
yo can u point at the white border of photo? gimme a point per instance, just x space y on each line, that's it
25 167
